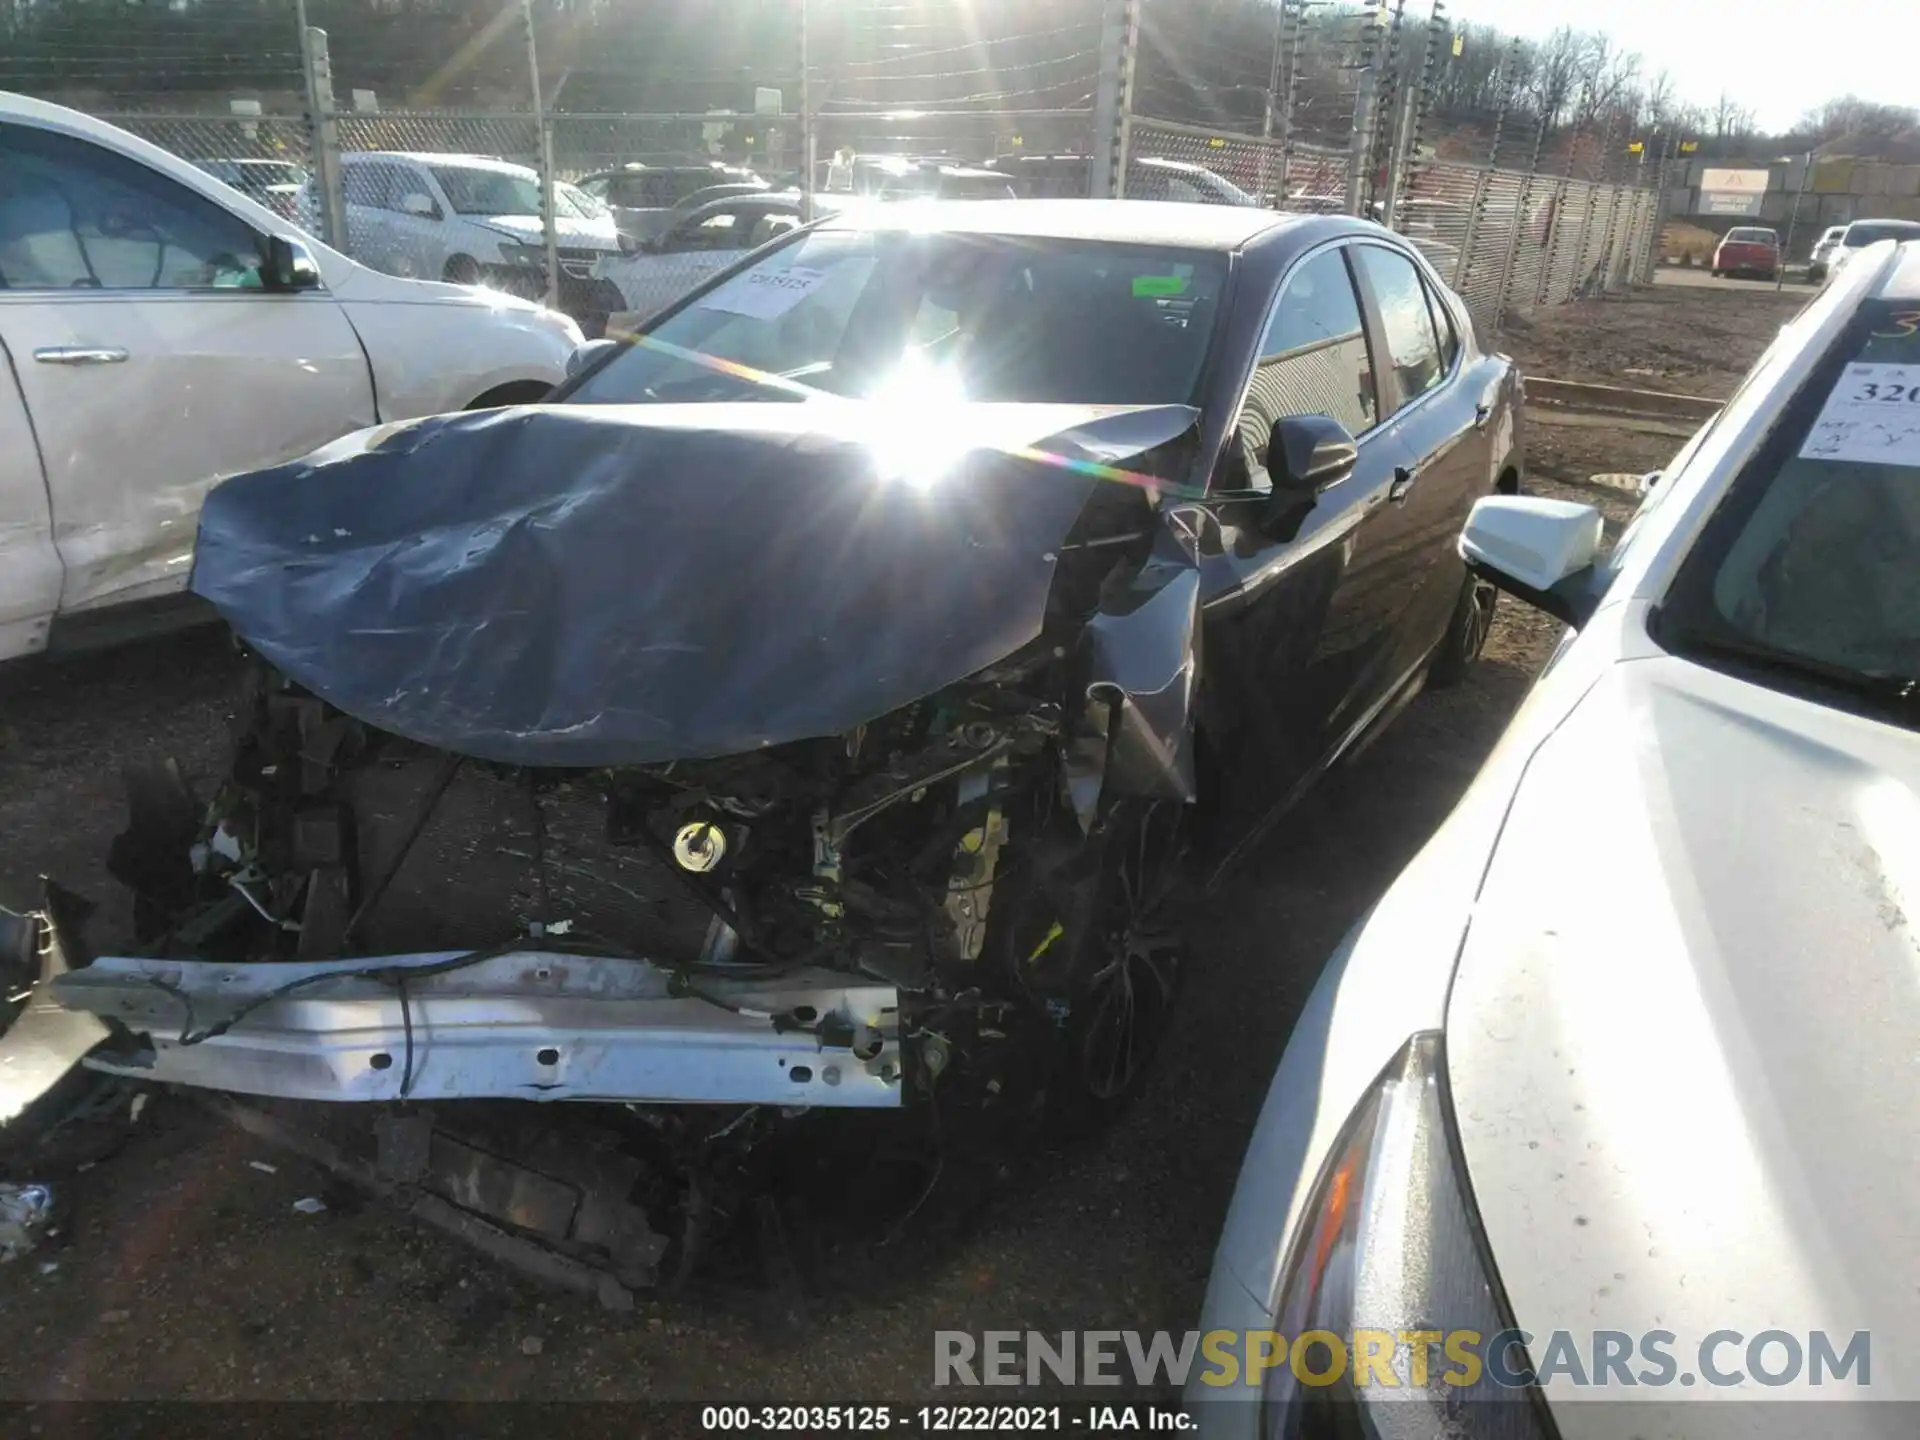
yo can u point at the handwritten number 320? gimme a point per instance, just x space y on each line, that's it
1874 390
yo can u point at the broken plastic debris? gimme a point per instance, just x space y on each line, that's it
310 1205
24 1213
137 1108
264 1168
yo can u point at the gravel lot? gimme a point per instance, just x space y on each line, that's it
184 1272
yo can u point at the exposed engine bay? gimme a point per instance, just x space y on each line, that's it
963 904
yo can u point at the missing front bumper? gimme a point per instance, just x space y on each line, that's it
524 1025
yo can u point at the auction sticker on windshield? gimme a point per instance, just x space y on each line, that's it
1872 416
765 294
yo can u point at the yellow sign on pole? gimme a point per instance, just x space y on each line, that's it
1687 147
1459 43
1638 147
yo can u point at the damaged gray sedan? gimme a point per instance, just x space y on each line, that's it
813 704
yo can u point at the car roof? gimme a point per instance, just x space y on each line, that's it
445 159
1146 222
1901 280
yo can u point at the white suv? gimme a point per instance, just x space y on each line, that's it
468 219
159 332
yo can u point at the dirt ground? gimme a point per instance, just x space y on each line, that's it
183 1271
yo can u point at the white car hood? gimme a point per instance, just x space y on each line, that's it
577 234
1682 1039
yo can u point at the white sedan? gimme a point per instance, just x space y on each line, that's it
1611 1096
165 332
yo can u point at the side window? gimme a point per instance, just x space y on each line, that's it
1412 348
365 184
1444 327
768 227
1183 191
405 181
76 216
706 232
596 187
1313 361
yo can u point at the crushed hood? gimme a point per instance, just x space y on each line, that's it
1682 1035
589 585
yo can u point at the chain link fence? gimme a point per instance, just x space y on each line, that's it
559 154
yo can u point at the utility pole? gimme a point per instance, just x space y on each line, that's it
1793 219
1273 99
807 146
549 229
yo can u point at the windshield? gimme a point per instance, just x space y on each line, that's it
1752 237
1808 575
1870 232
489 192
571 200
875 314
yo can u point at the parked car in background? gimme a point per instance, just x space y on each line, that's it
871 579
468 220
699 246
1684 873
1862 233
165 331
643 197
1822 254
1752 251
274 183
1156 178
930 180
1046 177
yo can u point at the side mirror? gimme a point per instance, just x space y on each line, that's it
290 266
421 205
1536 550
1306 454
586 356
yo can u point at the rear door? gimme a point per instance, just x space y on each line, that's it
151 361
1436 421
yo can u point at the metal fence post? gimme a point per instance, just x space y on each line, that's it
1476 213
1296 33
1113 97
1273 103
808 142
1360 145
323 133
1650 259
1793 221
1523 208
1407 149
1557 233
549 229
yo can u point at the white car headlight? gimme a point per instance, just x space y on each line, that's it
1390 1249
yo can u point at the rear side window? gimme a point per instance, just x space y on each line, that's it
1412 348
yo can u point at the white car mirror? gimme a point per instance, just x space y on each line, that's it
421 205
1532 548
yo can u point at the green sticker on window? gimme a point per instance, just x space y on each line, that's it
1151 285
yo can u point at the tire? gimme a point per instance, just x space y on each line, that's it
462 270
1466 635
1091 937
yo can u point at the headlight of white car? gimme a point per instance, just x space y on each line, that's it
1389 1260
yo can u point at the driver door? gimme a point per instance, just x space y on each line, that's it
151 361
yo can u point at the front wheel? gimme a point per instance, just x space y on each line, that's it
1467 633
1090 934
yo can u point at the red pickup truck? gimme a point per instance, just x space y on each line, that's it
1749 250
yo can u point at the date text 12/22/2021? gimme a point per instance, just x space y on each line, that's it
943 1419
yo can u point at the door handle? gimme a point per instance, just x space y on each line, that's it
1481 415
80 354
1402 486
